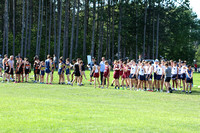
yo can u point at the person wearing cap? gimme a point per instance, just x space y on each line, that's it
155 66
90 66
1 65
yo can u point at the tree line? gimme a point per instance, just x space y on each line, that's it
111 28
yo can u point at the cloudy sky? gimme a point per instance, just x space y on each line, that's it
195 4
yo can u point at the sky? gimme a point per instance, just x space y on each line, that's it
195 4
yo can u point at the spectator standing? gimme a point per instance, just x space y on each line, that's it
102 68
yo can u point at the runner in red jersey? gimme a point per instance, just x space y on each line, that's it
106 74
125 75
116 73
121 68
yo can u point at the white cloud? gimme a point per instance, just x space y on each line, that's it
195 5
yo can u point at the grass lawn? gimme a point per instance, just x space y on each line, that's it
29 107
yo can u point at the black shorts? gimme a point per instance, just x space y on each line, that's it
17 72
174 77
132 77
11 71
36 71
188 80
77 74
26 71
155 76
21 70
7 71
167 79
180 76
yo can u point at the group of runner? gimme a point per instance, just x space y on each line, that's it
146 76
140 75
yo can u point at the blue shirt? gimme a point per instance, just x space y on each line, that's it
102 66
189 72
47 63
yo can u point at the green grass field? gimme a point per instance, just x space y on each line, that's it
29 107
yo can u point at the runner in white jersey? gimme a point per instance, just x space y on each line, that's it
183 73
179 75
141 78
155 66
163 79
160 73
146 67
149 76
11 63
96 70
132 77
174 75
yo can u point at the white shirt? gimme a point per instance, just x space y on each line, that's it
11 63
146 69
163 66
133 69
183 69
179 70
159 70
96 69
149 70
141 72
155 66
174 70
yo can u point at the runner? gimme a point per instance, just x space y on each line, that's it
167 77
160 74
42 71
11 63
1 65
125 75
146 67
106 74
21 69
96 70
149 76
189 79
4 66
132 77
36 69
174 76
60 71
141 71
90 66
48 68
52 68
68 66
116 74
163 77
183 72
155 66
7 70
77 73
27 69
17 72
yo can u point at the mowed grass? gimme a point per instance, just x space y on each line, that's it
29 107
